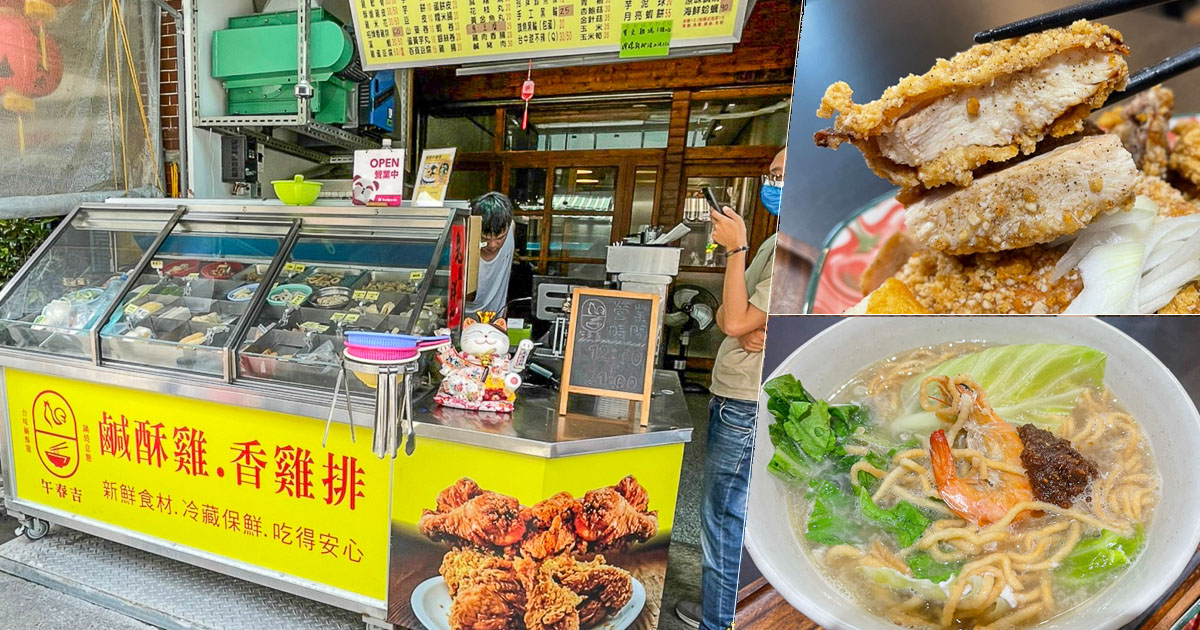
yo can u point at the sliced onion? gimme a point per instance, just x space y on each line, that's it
1110 228
1110 272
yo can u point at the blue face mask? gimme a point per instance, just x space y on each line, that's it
771 197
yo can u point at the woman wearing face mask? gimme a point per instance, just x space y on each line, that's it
733 408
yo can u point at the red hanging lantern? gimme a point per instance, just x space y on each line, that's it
42 12
21 73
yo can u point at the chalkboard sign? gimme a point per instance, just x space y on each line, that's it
610 346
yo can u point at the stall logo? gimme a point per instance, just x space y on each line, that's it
56 434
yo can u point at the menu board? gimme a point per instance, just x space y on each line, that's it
420 33
610 346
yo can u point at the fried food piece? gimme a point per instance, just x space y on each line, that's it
462 491
1057 472
892 255
1016 281
486 591
615 516
1185 155
486 519
460 564
552 530
1171 202
548 604
891 298
605 589
1142 126
1033 201
984 105
1186 302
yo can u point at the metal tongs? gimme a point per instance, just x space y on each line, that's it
1139 81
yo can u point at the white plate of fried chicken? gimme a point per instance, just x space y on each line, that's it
541 567
431 604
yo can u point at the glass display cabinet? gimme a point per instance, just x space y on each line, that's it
240 293
53 304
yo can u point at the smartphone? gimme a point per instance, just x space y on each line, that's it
712 201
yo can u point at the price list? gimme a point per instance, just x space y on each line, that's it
417 33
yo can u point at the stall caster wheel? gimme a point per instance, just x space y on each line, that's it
34 529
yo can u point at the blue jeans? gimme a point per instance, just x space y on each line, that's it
723 513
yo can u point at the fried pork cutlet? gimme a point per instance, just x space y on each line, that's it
1033 201
1171 202
1142 126
1185 155
891 298
986 104
1015 281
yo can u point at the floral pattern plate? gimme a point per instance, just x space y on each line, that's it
848 250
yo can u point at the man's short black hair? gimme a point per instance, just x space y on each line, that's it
496 210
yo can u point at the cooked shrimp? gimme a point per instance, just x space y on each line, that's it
981 501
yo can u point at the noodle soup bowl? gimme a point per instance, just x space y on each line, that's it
1143 384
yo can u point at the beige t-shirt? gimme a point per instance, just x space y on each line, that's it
736 373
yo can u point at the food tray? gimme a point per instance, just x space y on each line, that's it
403 278
278 368
349 276
164 350
252 273
22 333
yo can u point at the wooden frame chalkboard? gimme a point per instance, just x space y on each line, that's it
591 307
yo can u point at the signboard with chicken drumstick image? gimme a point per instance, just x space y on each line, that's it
484 551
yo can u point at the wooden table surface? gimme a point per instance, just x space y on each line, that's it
762 608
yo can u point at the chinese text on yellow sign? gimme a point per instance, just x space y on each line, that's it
407 33
250 485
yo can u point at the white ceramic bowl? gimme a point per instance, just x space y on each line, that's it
1142 383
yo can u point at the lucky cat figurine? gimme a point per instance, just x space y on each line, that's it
480 375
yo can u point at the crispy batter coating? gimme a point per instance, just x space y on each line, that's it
1171 202
979 66
1016 281
1142 126
1185 155
1186 302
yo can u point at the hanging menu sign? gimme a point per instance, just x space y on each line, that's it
419 33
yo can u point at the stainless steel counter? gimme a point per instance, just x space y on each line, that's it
592 425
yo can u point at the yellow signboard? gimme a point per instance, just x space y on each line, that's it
250 485
414 33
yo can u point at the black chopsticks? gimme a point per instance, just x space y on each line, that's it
1139 81
1151 76
1063 17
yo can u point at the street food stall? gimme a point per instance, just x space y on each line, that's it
171 382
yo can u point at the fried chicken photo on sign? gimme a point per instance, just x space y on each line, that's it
615 516
551 532
548 604
486 591
482 518
605 589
